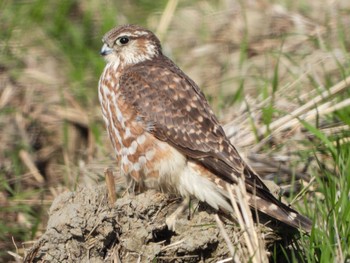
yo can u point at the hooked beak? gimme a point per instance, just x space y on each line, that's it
105 50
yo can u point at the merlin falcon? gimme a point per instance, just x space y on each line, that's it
166 136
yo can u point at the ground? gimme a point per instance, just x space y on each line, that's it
84 225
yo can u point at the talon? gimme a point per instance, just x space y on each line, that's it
170 221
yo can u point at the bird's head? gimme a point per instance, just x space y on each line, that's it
130 44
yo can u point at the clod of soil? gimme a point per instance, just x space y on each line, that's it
83 227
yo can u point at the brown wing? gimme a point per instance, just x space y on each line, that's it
176 111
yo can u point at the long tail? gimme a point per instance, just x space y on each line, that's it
262 200
275 209
268 209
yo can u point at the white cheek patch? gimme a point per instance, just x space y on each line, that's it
133 53
151 50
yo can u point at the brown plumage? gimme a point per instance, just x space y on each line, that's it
165 134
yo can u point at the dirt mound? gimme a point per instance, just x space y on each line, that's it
84 227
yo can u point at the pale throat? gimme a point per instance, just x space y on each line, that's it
112 60
114 65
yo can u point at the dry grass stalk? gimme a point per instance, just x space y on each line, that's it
339 250
32 202
325 108
255 251
308 111
172 245
256 246
110 186
230 246
15 256
303 191
6 96
342 141
68 166
309 106
272 163
29 163
336 129
166 18
73 115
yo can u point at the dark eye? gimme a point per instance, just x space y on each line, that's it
122 40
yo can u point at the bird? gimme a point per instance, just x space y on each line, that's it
166 136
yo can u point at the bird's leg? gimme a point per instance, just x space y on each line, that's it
171 220
189 216
132 187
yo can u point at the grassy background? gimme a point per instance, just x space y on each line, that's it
257 63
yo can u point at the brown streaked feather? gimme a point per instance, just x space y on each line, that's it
179 113
194 131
